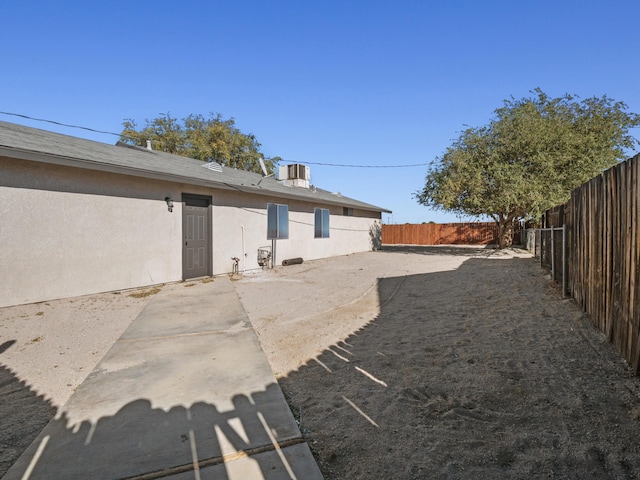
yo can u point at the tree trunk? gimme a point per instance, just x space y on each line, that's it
505 232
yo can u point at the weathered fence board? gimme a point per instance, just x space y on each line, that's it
601 237
602 228
481 233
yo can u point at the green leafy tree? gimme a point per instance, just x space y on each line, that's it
207 139
528 158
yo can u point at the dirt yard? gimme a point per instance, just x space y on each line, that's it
414 363
46 350
444 362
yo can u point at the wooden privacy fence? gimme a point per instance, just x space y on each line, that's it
440 234
602 253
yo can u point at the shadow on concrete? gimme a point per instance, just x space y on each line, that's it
142 440
481 372
23 414
184 393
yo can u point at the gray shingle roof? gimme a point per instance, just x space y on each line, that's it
28 143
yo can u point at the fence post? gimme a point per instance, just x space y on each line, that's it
564 260
553 254
541 243
537 242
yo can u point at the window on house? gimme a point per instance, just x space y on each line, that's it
277 221
347 212
321 223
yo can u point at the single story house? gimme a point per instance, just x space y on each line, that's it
80 217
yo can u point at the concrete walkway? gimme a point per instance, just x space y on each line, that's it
185 393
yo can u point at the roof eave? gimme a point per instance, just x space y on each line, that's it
53 159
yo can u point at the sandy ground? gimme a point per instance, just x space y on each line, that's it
47 349
440 362
408 363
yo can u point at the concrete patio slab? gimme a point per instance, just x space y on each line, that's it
185 391
266 465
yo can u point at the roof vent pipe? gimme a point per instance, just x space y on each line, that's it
149 145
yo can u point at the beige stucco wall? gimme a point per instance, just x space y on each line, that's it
240 229
67 231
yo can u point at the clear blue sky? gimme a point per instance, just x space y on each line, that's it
363 82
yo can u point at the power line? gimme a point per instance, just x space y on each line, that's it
291 161
362 166
59 123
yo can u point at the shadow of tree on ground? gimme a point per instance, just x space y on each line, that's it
23 415
481 372
144 441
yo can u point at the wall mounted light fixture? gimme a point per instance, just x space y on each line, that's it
169 203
